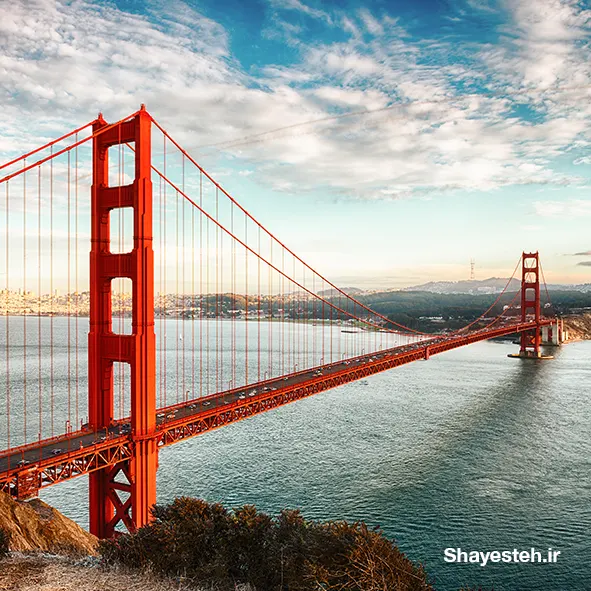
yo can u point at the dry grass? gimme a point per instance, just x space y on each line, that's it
31 572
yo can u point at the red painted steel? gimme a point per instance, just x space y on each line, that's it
273 237
47 145
63 150
122 466
116 450
69 464
199 423
107 509
530 303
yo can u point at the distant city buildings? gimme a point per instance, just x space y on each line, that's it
21 302
285 307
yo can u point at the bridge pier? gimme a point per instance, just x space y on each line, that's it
530 340
122 494
553 335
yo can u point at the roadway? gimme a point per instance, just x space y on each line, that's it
63 445
66 448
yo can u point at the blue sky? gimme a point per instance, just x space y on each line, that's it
474 144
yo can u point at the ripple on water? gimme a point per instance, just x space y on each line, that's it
469 450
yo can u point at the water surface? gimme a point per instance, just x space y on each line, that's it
469 449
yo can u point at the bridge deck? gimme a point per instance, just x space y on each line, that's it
26 469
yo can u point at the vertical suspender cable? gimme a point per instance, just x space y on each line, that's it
270 321
69 328
221 311
246 300
201 299
184 291
76 286
7 328
177 297
305 316
121 298
259 308
323 325
340 334
294 324
207 324
289 328
24 304
51 294
217 296
234 298
314 350
164 335
160 296
305 324
39 352
193 352
283 315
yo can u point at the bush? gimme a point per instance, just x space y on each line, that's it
211 545
4 543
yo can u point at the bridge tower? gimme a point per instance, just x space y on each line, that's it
123 494
530 303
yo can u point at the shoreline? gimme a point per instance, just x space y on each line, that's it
578 326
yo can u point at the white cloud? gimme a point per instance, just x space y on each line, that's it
544 47
63 62
372 25
368 99
484 5
299 6
570 208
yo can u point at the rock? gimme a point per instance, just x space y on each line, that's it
578 326
34 525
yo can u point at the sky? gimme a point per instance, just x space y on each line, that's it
386 142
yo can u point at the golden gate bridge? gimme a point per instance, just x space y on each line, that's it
226 321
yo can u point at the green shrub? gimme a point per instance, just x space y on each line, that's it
211 545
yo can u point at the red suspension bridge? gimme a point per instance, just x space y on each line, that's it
190 316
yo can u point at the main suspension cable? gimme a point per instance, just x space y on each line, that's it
264 260
338 289
66 149
48 145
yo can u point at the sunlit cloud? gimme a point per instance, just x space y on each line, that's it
64 62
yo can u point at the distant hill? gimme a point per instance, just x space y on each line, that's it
347 290
470 286
486 286
583 287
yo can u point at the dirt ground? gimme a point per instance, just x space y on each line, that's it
46 573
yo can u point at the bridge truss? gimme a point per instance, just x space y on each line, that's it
223 321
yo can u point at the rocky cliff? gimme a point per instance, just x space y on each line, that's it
578 326
34 525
